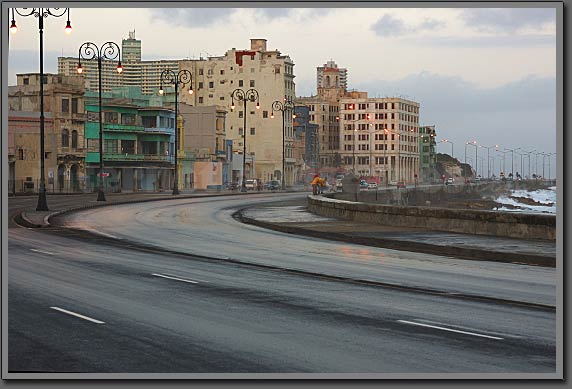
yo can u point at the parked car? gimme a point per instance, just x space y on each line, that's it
339 183
363 184
450 180
477 178
250 184
232 186
400 184
372 185
273 185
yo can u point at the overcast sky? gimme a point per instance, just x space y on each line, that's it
484 74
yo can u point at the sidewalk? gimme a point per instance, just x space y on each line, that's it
292 217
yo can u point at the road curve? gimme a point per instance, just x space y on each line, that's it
204 226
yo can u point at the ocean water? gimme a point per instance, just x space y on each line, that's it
547 198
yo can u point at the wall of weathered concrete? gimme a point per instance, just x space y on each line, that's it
513 225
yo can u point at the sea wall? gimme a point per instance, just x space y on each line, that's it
506 224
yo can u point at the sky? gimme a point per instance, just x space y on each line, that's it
484 74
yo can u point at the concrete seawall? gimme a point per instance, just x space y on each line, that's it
513 225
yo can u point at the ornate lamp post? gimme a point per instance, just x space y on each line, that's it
282 106
107 51
245 96
41 13
182 78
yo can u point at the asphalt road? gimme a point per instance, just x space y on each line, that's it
204 226
77 304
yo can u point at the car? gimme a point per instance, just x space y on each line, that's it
232 186
273 185
250 184
450 180
363 184
372 185
339 183
477 178
400 184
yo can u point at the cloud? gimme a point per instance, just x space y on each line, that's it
508 41
388 26
28 61
508 19
274 13
195 17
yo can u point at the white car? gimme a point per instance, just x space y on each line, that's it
250 184
450 180
372 185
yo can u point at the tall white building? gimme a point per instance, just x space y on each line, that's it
271 74
136 72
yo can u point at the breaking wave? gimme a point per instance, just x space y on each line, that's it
537 201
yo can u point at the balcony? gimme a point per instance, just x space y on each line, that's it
122 127
138 157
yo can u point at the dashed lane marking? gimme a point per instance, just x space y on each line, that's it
78 315
449 329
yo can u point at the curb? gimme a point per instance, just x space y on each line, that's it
458 252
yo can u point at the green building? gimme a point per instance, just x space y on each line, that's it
427 154
138 141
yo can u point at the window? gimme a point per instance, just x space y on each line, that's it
111 117
92 116
149 121
240 82
240 114
252 131
74 139
221 98
200 100
20 154
26 81
240 131
210 72
265 114
252 83
128 147
200 72
222 72
128 119
65 105
110 146
65 138
211 84
74 105
251 70
200 85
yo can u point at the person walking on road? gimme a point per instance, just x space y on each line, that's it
315 184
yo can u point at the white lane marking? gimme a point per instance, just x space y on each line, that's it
471 329
43 252
175 278
78 315
449 329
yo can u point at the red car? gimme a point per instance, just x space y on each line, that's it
400 184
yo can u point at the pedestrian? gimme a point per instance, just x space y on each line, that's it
315 183
321 185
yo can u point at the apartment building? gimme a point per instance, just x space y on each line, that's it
271 74
380 137
427 154
136 72
64 141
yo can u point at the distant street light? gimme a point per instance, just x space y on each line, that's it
183 77
286 105
107 51
41 14
245 96
448 141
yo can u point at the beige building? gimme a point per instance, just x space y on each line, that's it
64 142
271 74
380 137
203 137
145 74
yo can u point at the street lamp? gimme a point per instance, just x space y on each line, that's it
182 78
448 141
472 143
503 159
488 160
529 153
245 96
282 107
107 51
41 13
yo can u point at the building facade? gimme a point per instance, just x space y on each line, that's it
427 154
330 76
204 138
64 140
307 139
380 137
271 74
138 142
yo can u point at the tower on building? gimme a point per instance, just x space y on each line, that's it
331 76
131 48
